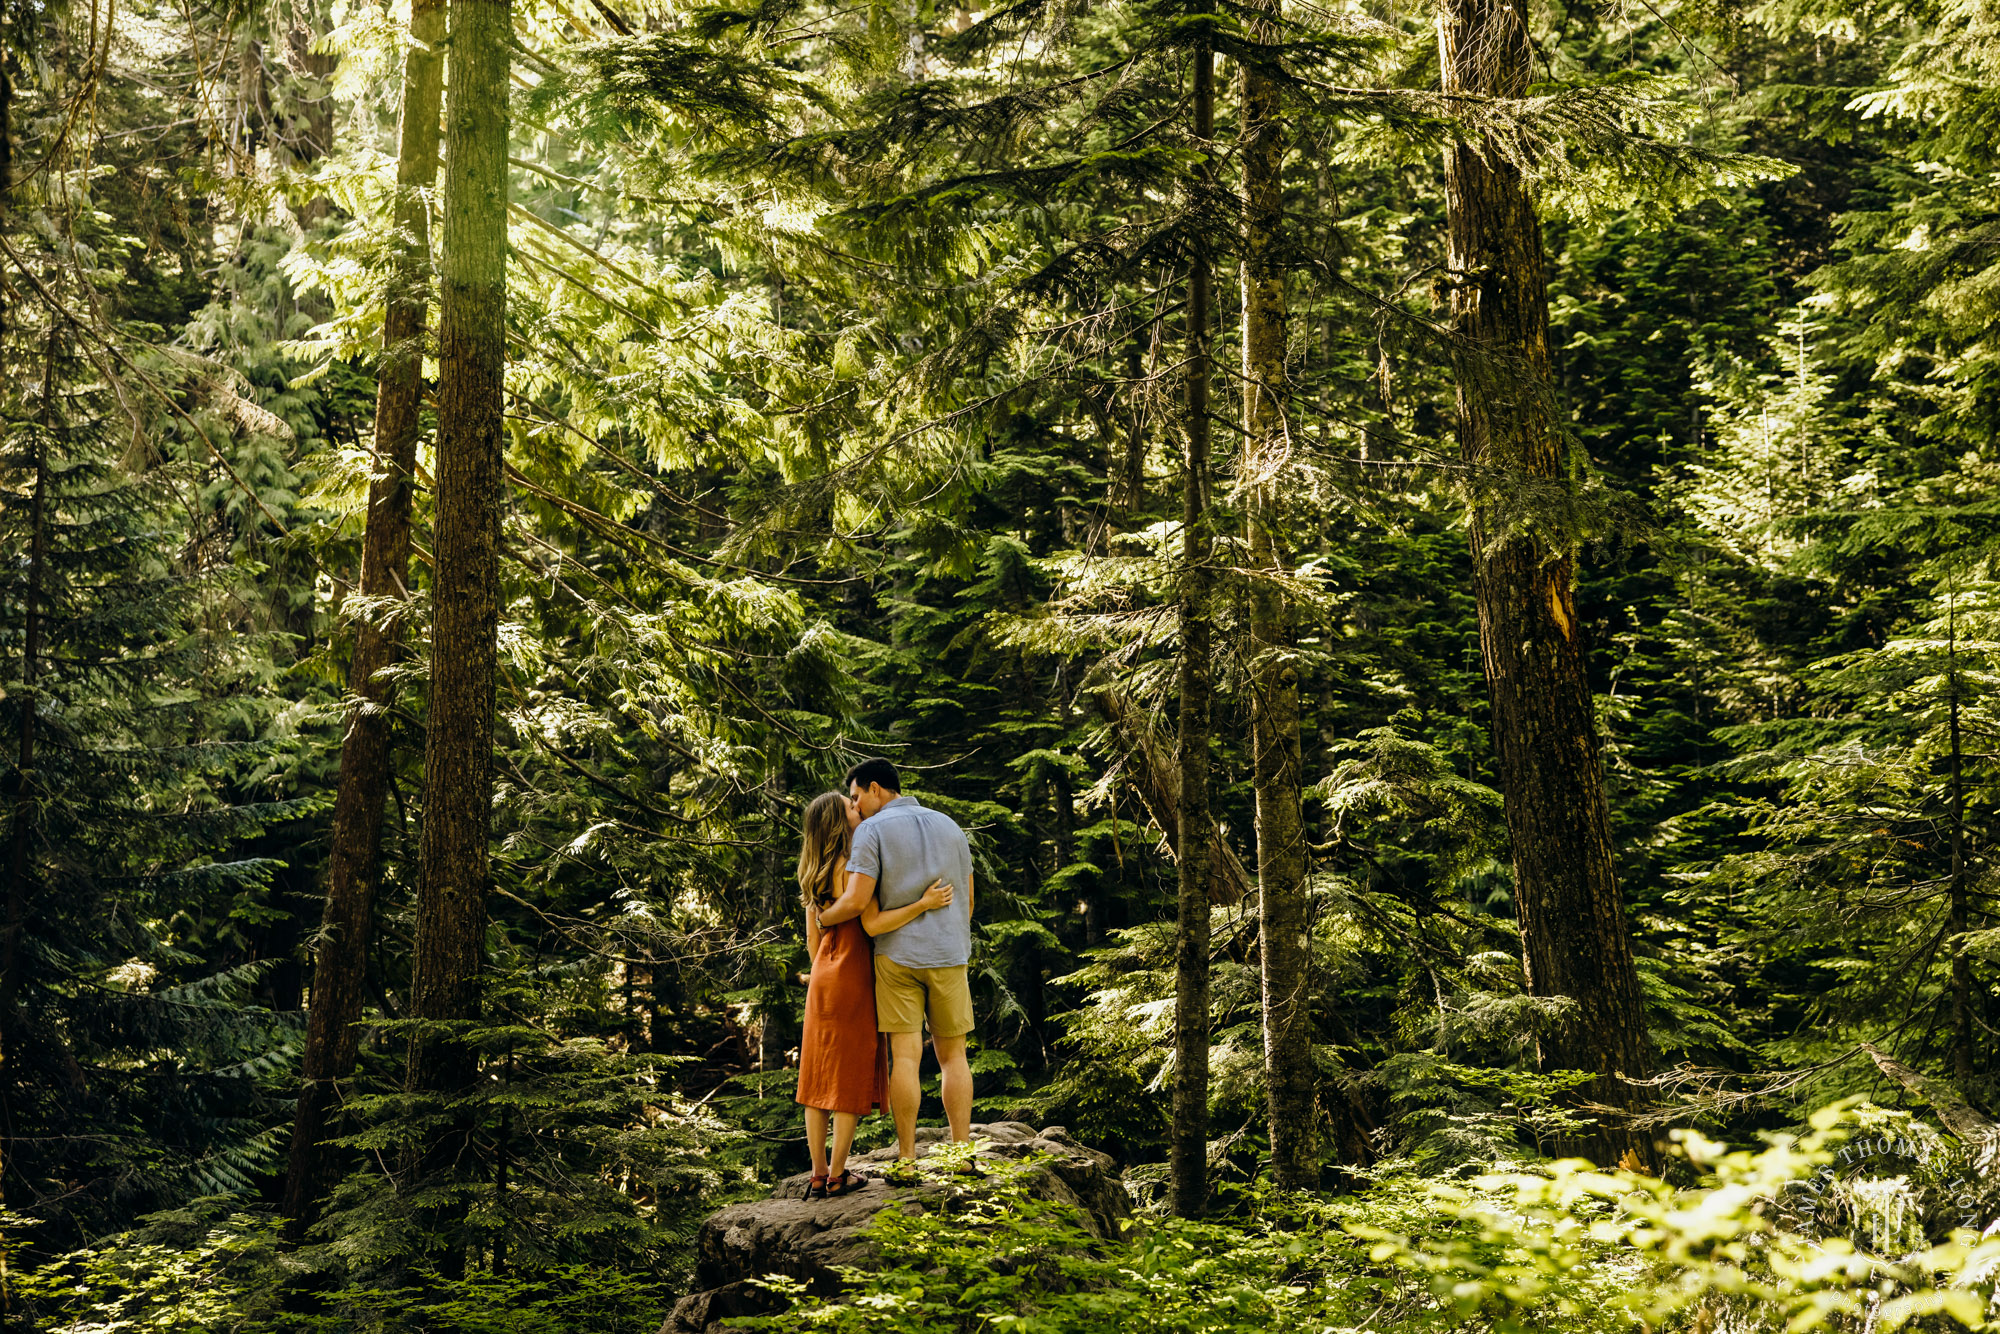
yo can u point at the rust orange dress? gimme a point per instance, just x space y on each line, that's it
843 1060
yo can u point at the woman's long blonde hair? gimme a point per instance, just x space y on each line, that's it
824 847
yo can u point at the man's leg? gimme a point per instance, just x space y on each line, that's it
951 1022
957 1088
906 1053
899 1012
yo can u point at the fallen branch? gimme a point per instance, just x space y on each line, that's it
1979 1132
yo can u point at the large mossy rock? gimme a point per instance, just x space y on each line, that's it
809 1239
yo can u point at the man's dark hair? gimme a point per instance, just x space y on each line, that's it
876 771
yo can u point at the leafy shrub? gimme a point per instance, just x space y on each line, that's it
1791 1237
1557 1247
225 1275
997 1258
1566 1245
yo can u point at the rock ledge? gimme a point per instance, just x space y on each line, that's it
808 1239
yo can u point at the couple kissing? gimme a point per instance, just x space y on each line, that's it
887 888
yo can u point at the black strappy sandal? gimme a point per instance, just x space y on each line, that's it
816 1188
846 1183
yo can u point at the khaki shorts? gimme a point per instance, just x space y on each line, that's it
904 995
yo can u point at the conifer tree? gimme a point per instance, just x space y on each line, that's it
458 750
1875 839
1276 762
25 798
1189 1164
119 783
340 959
1959 902
1575 939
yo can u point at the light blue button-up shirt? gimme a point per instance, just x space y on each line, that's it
905 846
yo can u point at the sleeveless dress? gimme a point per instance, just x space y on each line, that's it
843 1060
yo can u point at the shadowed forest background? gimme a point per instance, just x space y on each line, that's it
1444 556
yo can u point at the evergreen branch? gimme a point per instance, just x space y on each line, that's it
580 285
55 307
590 251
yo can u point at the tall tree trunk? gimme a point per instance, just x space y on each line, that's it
1274 701
1960 919
1189 1150
6 167
26 794
253 106
665 997
1063 794
1575 940
17 900
309 136
778 1034
340 964
458 748
1127 464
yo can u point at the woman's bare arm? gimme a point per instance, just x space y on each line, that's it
875 919
860 890
812 935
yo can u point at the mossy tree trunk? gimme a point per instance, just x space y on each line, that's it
1189 1137
1283 949
1959 917
458 749
341 961
1575 940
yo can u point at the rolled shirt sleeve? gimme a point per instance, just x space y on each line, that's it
866 854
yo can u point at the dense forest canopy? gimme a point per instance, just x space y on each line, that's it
1444 556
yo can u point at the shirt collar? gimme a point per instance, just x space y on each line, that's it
898 801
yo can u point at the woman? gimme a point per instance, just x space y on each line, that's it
843 1060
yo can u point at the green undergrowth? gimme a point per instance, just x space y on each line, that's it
1869 1221
1803 1234
227 1275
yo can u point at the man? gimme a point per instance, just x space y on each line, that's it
900 847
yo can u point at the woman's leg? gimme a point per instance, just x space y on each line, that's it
816 1137
843 1140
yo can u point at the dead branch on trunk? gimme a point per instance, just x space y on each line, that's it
1157 778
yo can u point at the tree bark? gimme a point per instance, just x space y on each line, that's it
1284 950
1575 939
340 963
26 794
1960 918
309 136
778 1033
1156 777
6 168
1127 464
1189 1147
458 749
